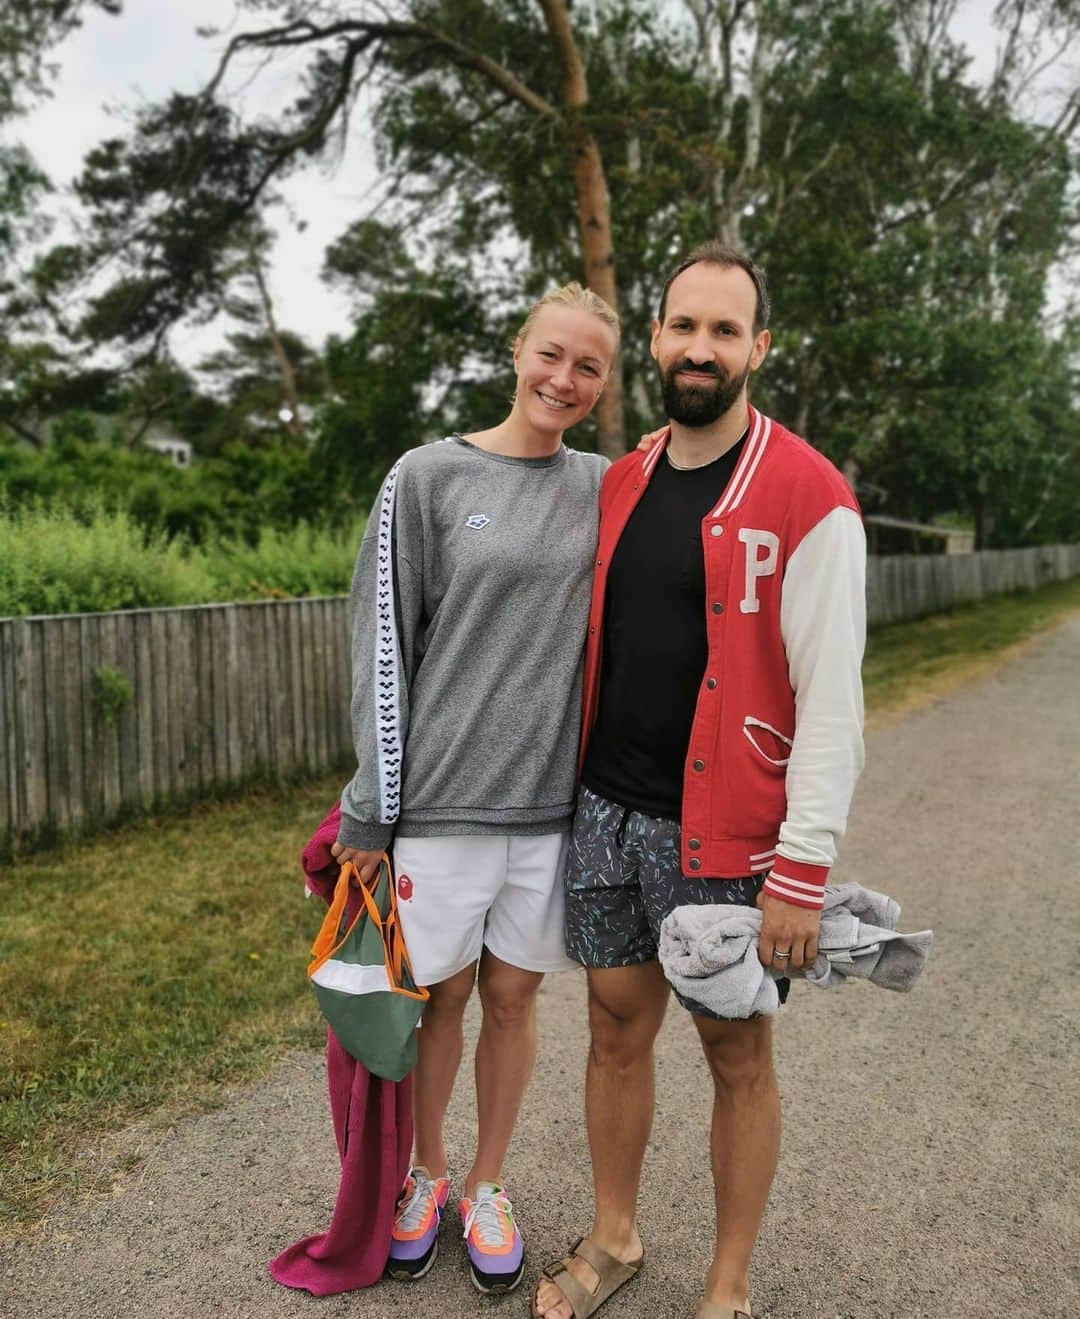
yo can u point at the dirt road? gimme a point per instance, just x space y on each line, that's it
930 1150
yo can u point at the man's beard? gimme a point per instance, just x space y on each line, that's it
699 405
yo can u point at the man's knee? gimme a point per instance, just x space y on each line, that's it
626 1008
739 1053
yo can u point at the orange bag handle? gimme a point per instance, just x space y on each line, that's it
330 936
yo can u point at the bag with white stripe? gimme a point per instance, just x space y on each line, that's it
362 977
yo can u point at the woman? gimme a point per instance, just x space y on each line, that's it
470 602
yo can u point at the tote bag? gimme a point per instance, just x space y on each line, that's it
362 977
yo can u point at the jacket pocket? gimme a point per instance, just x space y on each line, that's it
767 741
758 779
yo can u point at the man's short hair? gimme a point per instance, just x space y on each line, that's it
715 253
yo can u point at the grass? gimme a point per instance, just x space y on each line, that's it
909 664
146 967
142 970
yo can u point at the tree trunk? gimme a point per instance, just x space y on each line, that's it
294 425
594 209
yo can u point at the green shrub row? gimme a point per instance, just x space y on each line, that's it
55 561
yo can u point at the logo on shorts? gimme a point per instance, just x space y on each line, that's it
404 888
478 521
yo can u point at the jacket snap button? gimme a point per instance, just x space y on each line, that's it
694 844
699 765
710 683
592 632
718 608
716 530
695 864
599 563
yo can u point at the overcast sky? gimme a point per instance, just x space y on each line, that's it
110 64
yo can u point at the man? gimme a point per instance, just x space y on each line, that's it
722 738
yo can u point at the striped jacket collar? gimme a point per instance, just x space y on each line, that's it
757 441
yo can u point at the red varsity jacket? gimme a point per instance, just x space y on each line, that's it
776 742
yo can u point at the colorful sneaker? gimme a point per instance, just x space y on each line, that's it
496 1251
414 1243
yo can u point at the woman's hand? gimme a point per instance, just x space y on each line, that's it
366 863
647 441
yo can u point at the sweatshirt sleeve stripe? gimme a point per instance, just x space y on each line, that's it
371 800
387 670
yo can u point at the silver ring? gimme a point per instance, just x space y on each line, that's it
785 956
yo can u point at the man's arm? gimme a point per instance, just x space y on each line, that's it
823 625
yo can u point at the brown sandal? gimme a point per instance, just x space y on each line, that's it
611 1273
711 1310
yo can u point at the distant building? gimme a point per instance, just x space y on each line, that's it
107 428
176 450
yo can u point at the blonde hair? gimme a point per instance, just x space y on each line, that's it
582 299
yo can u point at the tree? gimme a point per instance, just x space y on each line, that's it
900 209
28 30
164 203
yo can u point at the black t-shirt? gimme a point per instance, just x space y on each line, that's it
655 643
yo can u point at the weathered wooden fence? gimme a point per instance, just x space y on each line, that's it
908 586
218 694
222 693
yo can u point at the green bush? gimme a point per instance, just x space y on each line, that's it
52 562
56 561
300 560
232 494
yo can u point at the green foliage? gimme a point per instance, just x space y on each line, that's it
112 692
910 218
54 562
29 29
232 495
299 561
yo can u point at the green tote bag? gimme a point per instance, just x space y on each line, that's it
362 977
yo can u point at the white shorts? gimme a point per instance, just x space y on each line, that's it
459 895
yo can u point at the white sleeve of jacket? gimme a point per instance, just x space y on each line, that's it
823 625
386 605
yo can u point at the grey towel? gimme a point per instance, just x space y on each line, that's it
710 953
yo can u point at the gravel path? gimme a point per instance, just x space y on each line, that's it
930 1150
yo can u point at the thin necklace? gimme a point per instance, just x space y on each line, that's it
693 467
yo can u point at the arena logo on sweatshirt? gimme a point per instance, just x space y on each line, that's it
478 521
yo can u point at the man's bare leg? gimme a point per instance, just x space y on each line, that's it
505 1053
745 1145
439 1046
626 1008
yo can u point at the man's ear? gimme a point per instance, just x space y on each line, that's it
760 350
655 337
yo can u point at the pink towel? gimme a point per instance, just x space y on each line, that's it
373 1129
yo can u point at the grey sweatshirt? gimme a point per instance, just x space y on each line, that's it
469 602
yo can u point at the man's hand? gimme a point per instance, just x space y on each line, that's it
366 863
786 928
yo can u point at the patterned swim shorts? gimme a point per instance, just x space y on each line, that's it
624 875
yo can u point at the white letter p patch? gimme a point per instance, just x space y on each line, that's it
756 564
